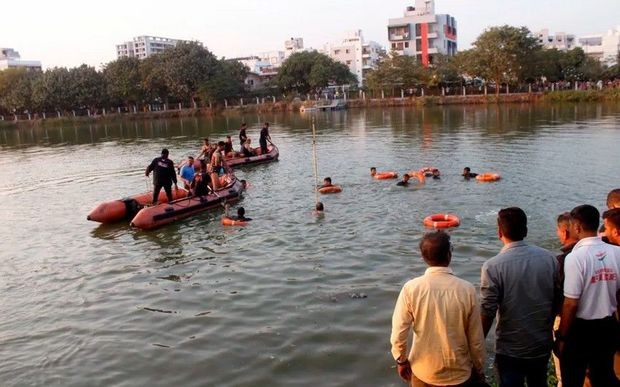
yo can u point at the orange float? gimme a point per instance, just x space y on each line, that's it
442 221
126 208
488 177
226 221
330 189
417 175
385 175
428 171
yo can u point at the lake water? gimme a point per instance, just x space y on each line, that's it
291 299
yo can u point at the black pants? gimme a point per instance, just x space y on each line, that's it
158 187
263 147
513 372
590 344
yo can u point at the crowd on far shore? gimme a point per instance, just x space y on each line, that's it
543 304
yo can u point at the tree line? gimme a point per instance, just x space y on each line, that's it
187 73
191 74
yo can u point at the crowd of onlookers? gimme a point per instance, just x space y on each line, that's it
542 304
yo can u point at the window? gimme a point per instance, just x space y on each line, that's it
394 45
346 51
336 52
348 63
418 30
406 44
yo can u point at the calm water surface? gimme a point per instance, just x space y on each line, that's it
291 299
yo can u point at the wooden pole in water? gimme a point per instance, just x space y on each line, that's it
315 162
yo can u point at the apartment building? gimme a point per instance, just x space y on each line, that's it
142 47
360 56
604 47
10 59
423 33
560 41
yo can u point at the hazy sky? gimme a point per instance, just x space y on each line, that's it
70 32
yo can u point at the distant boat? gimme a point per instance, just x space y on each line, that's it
336 104
272 155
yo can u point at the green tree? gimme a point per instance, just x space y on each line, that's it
87 87
228 81
312 71
398 72
16 89
153 79
123 82
51 90
503 55
187 68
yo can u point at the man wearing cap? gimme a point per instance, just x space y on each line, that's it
163 175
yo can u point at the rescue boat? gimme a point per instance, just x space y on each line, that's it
271 155
126 208
149 218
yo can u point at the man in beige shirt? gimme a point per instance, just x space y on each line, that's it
444 313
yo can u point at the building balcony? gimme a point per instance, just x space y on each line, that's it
399 37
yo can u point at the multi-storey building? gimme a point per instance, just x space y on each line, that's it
292 46
604 47
422 33
560 41
10 59
358 55
144 46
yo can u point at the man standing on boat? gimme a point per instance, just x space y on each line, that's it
163 175
264 136
242 135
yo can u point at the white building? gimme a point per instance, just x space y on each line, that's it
358 55
144 46
560 41
292 46
422 33
10 59
603 47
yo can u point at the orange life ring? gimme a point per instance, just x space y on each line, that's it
226 221
385 175
486 177
442 221
331 189
417 175
428 171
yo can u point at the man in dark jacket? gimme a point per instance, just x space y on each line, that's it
163 176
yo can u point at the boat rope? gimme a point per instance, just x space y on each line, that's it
315 162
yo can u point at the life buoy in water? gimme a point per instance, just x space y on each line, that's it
385 175
226 221
428 171
417 175
442 221
331 189
487 177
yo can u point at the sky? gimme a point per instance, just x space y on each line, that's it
69 33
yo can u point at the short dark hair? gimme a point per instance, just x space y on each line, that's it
221 143
435 248
319 206
613 198
406 175
371 168
587 216
241 212
613 217
190 157
564 218
328 179
164 152
512 222
467 169
244 124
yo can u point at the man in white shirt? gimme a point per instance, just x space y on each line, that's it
444 313
588 330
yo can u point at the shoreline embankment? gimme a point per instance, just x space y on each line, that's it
294 106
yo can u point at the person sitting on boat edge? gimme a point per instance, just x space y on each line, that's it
187 172
206 150
242 135
247 149
228 147
240 214
200 183
163 175
405 181
468 174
